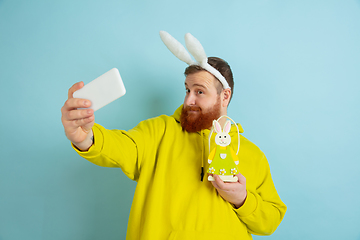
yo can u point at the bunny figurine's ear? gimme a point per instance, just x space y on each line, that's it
217 126
176 47
227 126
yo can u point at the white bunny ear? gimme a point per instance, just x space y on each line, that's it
217 126
195 48
227 126
176 47
198 52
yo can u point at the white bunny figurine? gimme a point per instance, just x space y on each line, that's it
222 159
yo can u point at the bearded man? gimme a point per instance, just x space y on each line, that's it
165 156
202 89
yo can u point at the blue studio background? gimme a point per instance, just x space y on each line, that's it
297 79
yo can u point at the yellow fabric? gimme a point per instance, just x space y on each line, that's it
170 201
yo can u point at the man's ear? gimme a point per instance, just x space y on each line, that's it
226 95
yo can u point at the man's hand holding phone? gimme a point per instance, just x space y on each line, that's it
78 111
77 120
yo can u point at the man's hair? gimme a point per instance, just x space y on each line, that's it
220 65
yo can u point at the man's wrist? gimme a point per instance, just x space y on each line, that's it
239 205
86 144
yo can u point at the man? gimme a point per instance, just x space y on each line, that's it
165 156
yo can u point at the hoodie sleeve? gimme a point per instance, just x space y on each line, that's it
107 151
125 149
263 209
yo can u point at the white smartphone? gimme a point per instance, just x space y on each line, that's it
102 90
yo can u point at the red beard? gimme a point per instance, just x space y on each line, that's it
191 122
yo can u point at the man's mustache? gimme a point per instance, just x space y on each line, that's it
192 108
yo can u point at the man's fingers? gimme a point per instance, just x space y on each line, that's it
81 122
85 122
78 114
76 127
219 183
88 123
74 88
241 179
74 103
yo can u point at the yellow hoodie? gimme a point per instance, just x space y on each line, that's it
170 200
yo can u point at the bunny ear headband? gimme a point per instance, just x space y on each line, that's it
196 49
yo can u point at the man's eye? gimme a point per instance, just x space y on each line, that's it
200 92
187 90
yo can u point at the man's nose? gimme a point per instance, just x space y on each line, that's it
190 99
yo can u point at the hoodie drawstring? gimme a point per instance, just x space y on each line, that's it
202 157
